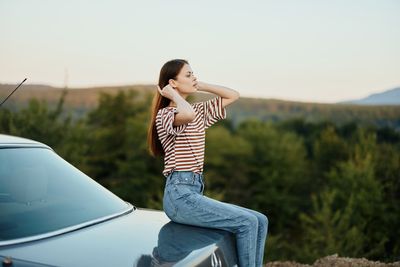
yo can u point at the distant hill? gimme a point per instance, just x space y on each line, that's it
83 98
77 101
80 101
389 97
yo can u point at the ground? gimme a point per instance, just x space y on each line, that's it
335 260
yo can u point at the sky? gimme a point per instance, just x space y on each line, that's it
299 50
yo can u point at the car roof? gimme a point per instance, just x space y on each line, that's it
15 141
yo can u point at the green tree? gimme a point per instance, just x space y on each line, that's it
328 230
117 153
143 181
38 122
278 182
107 126
328 150
388 172
351 218
226 165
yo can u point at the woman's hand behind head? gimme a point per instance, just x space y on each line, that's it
167 91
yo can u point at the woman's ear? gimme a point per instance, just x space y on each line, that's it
172 82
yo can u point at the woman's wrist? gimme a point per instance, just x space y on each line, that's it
176 97
201 86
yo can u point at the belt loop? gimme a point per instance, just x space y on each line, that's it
169 176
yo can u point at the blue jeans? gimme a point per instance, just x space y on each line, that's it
185 203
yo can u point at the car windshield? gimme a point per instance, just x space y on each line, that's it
40 192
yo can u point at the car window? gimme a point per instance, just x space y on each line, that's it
40 192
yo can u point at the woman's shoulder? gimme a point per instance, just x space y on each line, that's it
206 102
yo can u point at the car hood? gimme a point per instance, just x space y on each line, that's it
140 238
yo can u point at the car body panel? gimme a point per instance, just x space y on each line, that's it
127 241
15 141
134 237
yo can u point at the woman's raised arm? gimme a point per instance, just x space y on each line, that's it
228 95
185 112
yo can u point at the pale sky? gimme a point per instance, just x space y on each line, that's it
304 50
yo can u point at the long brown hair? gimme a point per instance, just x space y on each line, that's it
169 71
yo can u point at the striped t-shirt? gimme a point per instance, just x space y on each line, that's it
184 144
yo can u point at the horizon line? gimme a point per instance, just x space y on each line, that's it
94 86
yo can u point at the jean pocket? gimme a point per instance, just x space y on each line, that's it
185 196
179 191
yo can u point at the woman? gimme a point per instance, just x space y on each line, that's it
177 132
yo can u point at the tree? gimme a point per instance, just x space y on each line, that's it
328 150
328 230
38 122
226 164
351 218
277 173
107 125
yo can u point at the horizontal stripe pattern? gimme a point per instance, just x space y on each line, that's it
184 145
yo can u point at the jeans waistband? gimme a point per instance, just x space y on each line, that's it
178 174
186 172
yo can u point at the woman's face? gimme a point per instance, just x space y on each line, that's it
185 82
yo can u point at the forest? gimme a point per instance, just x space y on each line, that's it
326 187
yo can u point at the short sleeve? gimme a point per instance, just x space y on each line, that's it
165 121
213 111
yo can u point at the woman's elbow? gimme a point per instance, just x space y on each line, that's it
185 117
235 96
190 116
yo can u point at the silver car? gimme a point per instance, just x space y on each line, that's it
52 214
